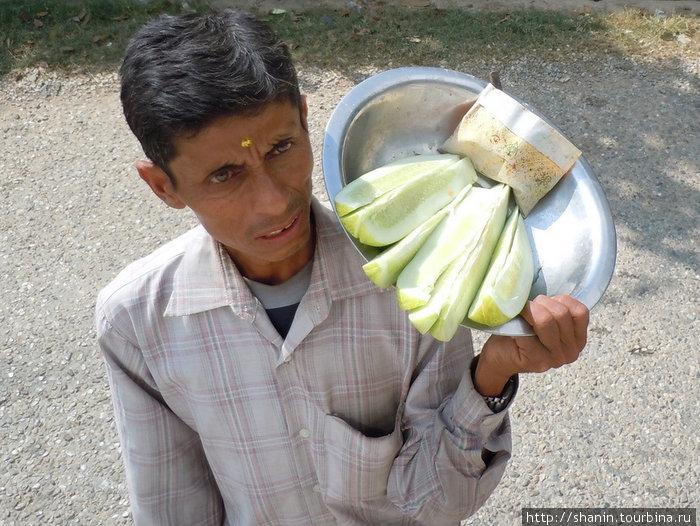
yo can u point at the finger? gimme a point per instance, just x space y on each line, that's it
577 310
539 314
556 332
532 356
553 325
533 312
526 313
580 316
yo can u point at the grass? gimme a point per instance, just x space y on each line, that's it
65 34
638 33
401 36
70 34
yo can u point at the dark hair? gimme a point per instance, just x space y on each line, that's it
179 73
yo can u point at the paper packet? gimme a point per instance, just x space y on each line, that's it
508 143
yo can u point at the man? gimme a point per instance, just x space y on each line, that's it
257 376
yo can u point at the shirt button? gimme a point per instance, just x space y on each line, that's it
304 433
317 488
288 359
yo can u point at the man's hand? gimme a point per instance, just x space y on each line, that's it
560 324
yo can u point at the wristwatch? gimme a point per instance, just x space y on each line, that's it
500 402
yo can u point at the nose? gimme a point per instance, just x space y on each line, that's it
270 193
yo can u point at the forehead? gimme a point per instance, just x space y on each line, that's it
233 138
269 120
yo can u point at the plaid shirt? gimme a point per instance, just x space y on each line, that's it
354 418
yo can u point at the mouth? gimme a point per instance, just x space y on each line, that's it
275 233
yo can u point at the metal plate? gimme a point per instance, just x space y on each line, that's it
413 111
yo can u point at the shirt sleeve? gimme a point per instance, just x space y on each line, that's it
169 480
440 476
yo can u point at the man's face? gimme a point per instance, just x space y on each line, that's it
248 180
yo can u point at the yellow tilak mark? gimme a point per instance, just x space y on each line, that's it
245 143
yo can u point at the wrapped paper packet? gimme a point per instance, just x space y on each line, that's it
509 144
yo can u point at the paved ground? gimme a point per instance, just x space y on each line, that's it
618 428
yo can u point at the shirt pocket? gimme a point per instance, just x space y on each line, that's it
356 466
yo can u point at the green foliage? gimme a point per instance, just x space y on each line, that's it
69 34
73 33
644 33
401 36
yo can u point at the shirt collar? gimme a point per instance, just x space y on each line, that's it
208 279
338 261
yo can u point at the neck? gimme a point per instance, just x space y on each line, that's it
277 273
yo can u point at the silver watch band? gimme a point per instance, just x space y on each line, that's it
500 402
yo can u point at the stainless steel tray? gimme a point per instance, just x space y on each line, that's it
413 111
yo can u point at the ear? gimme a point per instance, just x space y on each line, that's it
304 113
160 183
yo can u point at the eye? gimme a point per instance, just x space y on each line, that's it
222 176
281 147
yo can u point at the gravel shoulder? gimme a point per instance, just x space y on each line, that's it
619 428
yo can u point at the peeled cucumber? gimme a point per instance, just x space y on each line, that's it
457 285
506 287
458 232
385 268
383 179
395 214
452 251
